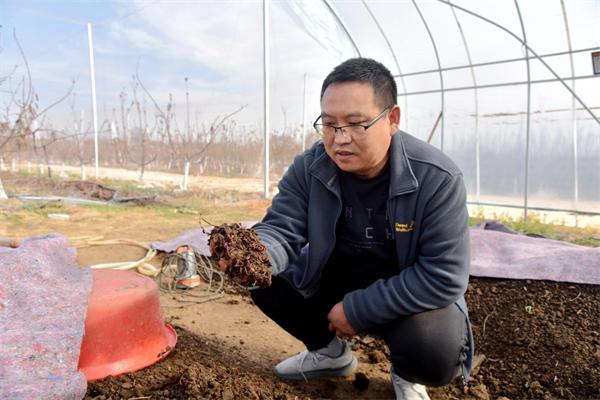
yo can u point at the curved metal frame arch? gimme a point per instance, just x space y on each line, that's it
393 56
541 60
437 56
343 25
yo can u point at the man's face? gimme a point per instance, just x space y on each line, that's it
348 103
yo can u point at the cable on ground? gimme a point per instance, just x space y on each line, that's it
164 276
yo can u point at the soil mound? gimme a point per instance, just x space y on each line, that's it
536 340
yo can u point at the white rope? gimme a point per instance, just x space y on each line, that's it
142 265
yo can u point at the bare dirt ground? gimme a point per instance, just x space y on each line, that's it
226 350
253 185
536 339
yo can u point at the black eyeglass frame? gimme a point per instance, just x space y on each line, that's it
341 128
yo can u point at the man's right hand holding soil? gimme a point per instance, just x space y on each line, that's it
238 253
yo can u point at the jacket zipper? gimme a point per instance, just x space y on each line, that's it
339 212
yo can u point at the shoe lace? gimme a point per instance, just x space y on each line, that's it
301 363
312 355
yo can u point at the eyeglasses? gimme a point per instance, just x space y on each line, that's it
352 130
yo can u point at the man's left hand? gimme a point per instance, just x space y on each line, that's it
338 322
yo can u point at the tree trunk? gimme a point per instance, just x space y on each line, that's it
3 195
186 172
143 151
47 160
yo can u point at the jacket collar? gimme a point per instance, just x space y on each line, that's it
324 169
402 178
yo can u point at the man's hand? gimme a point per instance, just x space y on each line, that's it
223 264
238 252
338 322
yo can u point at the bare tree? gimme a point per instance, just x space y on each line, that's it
143 131
167 118
22 117
209 135
80 133
120 133
181 146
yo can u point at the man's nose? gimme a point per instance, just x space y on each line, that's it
340 136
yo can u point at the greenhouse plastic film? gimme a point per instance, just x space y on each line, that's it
43 303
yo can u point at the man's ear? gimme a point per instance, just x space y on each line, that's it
394 118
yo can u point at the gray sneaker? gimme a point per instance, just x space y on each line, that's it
311 364
406 390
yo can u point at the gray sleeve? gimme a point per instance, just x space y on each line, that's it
439 276
283 230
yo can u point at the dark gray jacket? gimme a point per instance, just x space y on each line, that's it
428 215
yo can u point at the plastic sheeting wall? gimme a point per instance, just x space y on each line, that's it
218 46
496 117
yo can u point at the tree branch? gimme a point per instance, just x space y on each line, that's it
30 89
214 129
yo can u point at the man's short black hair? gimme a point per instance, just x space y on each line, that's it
369 71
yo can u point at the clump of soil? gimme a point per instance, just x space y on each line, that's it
87 189
241 248
361 381
16 184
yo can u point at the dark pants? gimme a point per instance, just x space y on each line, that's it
425 347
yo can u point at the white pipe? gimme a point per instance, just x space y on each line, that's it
528 121
476 100
93 80
304 127
266 94
573 118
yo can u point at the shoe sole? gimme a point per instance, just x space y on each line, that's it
321 373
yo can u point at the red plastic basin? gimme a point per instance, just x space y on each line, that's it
124 327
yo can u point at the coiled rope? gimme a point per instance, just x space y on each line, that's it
166 273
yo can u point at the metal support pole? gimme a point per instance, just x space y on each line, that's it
437 57
94 110
266 95
404 112
514 83
476 105
528 121
304 105
538 57
573 118
487 63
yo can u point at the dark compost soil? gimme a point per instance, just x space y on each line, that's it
537 340
247 256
